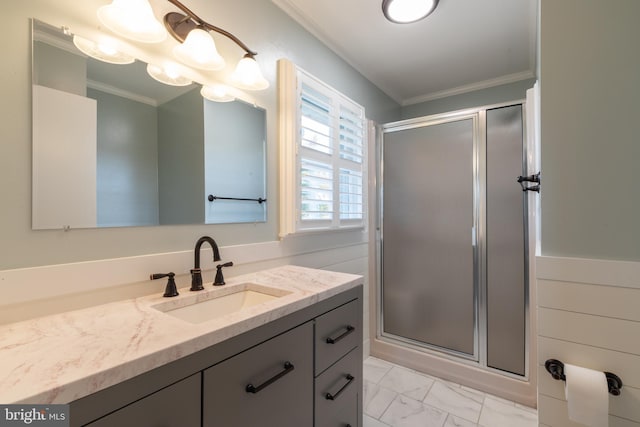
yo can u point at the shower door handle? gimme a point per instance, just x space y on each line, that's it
474 240
535 178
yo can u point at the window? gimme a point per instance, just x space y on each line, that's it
324 152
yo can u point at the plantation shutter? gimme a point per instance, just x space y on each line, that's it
330 156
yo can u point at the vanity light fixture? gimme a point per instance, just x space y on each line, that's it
133 19
216 93
407 11
247 74
168 74
199 51
105 51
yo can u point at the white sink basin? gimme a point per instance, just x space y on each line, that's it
221 302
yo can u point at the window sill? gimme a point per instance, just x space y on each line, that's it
315 231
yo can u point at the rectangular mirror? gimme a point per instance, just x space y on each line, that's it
112 147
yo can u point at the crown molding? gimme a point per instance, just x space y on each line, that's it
315 30
485 84
58 42
102 87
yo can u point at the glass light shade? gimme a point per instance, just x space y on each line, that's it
247 75
199 51
216 93
106 51
407 11
133 19
169 75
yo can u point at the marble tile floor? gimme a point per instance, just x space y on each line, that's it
400 397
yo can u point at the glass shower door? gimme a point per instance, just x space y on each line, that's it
429 219
505 237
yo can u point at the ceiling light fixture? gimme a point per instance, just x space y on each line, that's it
105 51
169 74
133 19
407 11
181 26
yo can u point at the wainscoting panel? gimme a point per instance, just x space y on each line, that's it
588 316
553 412
625 365
606 301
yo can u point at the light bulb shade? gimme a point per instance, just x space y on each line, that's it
199 51
216 93
407 11
247 75
169 75
106 51
133 19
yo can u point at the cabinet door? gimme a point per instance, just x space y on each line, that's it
337 393
175 406
282 394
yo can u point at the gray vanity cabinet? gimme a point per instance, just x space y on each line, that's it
177 405
337 391
275 375
337 332
338 367
281 395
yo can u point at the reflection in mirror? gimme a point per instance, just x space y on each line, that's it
112 147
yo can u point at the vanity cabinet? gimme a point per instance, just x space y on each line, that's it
173 406
270 384
337 332
337 392
338 367
304 369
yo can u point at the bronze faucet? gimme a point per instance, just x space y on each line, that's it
196 272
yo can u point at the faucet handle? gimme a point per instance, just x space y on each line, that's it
170 290
219 281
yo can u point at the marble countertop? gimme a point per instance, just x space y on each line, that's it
63 357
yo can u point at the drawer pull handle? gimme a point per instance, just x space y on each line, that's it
288 367
339 337
330 396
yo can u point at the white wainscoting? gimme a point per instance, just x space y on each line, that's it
39 291
589 315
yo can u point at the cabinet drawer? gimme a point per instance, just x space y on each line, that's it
337 332
337 393
175 406
282 396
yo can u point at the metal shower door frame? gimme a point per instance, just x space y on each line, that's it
478 115
475 233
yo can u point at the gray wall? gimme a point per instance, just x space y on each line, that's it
181 159
493 95
590 68
259 23
58 69
234 158
127 163
588 310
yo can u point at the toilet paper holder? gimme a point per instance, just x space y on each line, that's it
556 369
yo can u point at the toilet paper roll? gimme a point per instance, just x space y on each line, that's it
587 396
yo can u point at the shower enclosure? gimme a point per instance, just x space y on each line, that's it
453 237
